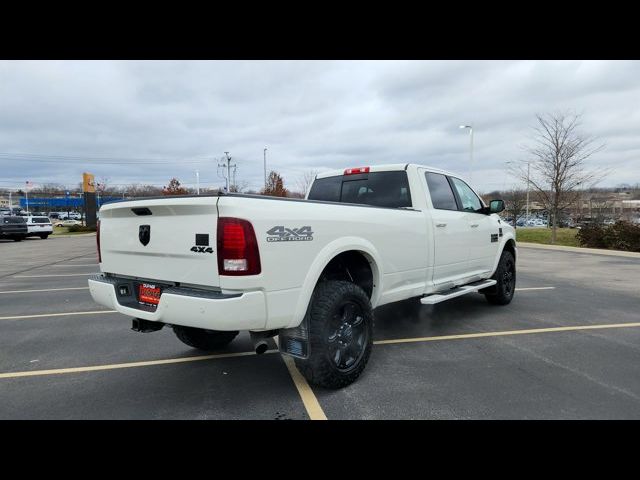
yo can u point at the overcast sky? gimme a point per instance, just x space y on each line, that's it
145 122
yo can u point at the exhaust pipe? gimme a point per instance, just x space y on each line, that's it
260 340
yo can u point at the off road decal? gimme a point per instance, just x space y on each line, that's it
494 237
282 234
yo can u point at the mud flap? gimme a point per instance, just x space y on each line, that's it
295 341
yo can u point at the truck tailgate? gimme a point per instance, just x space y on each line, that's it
172 239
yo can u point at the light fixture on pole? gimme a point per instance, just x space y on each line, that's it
470 127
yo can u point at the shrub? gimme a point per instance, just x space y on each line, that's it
591 236
620 236
81 228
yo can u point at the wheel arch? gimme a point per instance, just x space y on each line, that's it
353 251
508 244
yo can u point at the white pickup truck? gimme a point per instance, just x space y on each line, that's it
309 271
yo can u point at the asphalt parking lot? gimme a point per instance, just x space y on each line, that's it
567 347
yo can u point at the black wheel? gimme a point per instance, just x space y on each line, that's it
44 236
18 239
340 322
505 275
204 339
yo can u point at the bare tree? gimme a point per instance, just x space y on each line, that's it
140 190
304 183
240 187
558 155
515 202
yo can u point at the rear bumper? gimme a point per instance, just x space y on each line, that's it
17 232
40 230
191 308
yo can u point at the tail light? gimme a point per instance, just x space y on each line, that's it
353 171
98 241
237 247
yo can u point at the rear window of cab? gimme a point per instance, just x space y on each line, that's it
378 189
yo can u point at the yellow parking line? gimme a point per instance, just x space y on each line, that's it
508 332
63 314
534 288
309 399
59 275
115 366
45 290
76 265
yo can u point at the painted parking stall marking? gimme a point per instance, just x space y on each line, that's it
63 314
45 290
115 366
508 332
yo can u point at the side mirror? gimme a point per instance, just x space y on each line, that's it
496 206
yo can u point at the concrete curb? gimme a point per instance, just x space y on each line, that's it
595 251
76 235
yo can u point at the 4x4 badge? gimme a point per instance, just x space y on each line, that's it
282 234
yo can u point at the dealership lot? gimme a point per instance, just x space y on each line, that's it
568 346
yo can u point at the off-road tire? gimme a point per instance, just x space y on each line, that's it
329 299
505 275
207 340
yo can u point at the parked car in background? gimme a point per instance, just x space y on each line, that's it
13 227
67 223
39 227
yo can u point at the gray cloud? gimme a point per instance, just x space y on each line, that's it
312 114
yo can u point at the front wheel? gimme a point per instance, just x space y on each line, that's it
505 276
202 339
44 236
18 239
340 320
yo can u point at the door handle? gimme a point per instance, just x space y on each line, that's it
440 225
474 225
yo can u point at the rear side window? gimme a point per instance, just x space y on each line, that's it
441 194
380 189
40 220
14 220
326 189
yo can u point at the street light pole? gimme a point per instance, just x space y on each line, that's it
197 182
470 127
265 168
528 172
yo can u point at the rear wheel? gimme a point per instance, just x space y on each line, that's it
44 236
340 322
18 239
204 339
505 276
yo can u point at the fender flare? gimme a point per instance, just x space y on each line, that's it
503 244
328 253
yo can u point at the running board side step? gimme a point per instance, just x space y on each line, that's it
456 292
